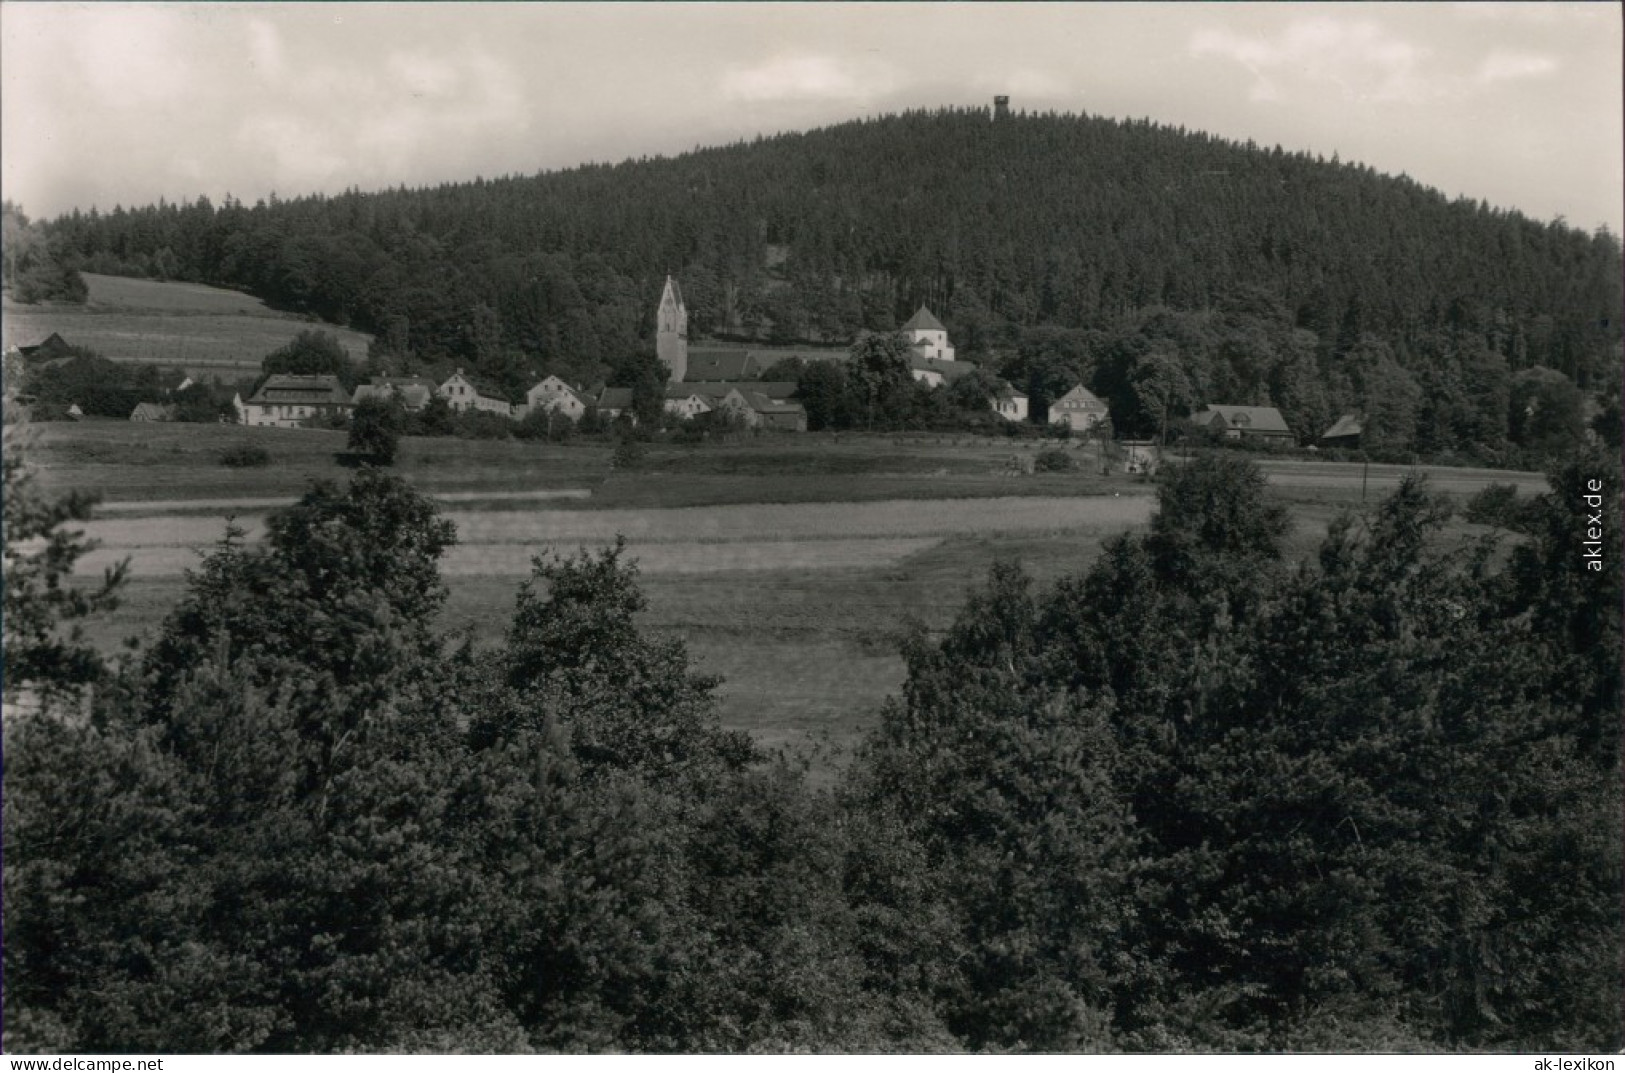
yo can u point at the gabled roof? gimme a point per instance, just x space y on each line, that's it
762 404
556 386
1006 391
1347 425
51 345
1082 397
482 387
152 411
1250 418
317 389
923 321
615 398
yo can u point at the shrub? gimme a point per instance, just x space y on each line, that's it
1498 505
245 456
628 455
1053 460
480 425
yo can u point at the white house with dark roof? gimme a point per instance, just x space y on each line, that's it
464 393
554 394
1009 402
288 400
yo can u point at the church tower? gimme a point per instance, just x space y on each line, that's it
671 332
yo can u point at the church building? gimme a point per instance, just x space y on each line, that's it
927 338
671 332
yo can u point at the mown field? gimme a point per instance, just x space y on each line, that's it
789 565
207 331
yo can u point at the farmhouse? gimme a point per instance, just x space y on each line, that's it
287 400
412 392
1079 410
1242 422
556 395
463 393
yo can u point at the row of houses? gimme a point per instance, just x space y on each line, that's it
290 400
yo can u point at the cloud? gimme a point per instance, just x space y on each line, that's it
413 108
1359 58
135 57
1511 66
265 50
820 78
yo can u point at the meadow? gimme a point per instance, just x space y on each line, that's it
207 331
789 565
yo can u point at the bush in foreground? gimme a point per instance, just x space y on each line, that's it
245 456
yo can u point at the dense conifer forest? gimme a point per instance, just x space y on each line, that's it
1143 260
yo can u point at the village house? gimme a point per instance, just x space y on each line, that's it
734 406
1079 410
412 392
463 393
288 400
684 402
615 401
781 414
1242 422
1009 403
556 395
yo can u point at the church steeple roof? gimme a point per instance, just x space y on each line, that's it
673 292
923 321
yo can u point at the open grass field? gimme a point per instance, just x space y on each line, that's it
207 331
789 565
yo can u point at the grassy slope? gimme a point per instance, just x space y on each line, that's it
205 330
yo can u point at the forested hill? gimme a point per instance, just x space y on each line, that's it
1002 227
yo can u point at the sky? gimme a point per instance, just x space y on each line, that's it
104 104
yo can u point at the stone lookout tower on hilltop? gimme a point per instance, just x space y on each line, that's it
671 332
1001 107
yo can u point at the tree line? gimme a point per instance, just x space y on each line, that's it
1256 275
1194 797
